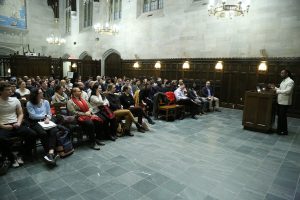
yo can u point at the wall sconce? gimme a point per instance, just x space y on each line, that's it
262 67
74 65
8 70
186 65
136 65
157 65
219 65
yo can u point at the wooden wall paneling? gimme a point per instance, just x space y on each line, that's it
239 75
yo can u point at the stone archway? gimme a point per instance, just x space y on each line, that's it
111 63
85 56
6 50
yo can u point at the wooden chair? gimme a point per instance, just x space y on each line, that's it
171 110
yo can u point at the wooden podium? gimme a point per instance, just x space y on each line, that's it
259 110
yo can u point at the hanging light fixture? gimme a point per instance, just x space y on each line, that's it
219 65
136 65
157 65
107 28
8 70
55 39
228 8
74 65
262 67
186 65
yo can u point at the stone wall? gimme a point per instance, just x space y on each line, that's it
181 30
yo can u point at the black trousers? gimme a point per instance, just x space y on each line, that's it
282 118
48 137
193 107
109 126
137 112
25 133
93 129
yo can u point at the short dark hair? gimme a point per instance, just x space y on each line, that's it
4 85
57 88
125 88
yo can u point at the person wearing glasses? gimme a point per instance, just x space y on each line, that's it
39 111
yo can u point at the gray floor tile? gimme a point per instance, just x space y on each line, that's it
160 194
273 197
246 194
127 194
62 193
116 171
129 178
94 194
157 178
173 186
82 186
90 170
73 177
29 193
210 160
52 185
144 186
112 187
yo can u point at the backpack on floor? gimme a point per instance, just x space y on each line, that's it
64 145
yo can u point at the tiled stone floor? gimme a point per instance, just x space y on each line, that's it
209 158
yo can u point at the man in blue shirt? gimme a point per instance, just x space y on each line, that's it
208 92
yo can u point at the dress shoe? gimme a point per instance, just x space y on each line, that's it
194 117
283 133
140 128
99 142
127 132
112 138
95 146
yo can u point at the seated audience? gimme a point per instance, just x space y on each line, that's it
192 94
59 95
101 108
208 92
39 111
182 99
92 124
115 105
13 91
22 90
80 85
145 99
11 118
127 102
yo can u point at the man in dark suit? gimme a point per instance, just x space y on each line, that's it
208 92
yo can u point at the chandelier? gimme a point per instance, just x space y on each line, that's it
57 40
106 29
228 8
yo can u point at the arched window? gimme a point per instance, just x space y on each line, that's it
87 13
68 17
115 9
150 5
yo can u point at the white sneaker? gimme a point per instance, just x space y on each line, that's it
20 161
145 126
15 164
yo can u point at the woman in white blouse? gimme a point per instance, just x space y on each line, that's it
100 107
22 90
